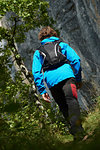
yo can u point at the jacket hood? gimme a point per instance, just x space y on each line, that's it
51 39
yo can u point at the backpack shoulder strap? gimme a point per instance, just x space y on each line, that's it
58 42
43 51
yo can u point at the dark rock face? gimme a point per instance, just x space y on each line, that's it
79 25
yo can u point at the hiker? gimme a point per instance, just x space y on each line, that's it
59 65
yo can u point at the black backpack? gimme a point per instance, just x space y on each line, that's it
53 58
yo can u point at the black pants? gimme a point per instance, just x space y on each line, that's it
65 95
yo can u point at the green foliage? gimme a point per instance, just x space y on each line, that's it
32 12
22 121
24 15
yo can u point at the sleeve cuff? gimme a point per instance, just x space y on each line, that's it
42 91
78 76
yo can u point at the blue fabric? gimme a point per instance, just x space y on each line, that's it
54 76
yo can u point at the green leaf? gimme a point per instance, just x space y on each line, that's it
11 107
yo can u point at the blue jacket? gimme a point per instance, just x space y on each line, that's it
54 76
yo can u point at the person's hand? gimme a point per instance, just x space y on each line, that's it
79 85
46 97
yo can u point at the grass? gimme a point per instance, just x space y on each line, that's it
59 141
91 125
92 121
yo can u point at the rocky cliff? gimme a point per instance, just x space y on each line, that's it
78 22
